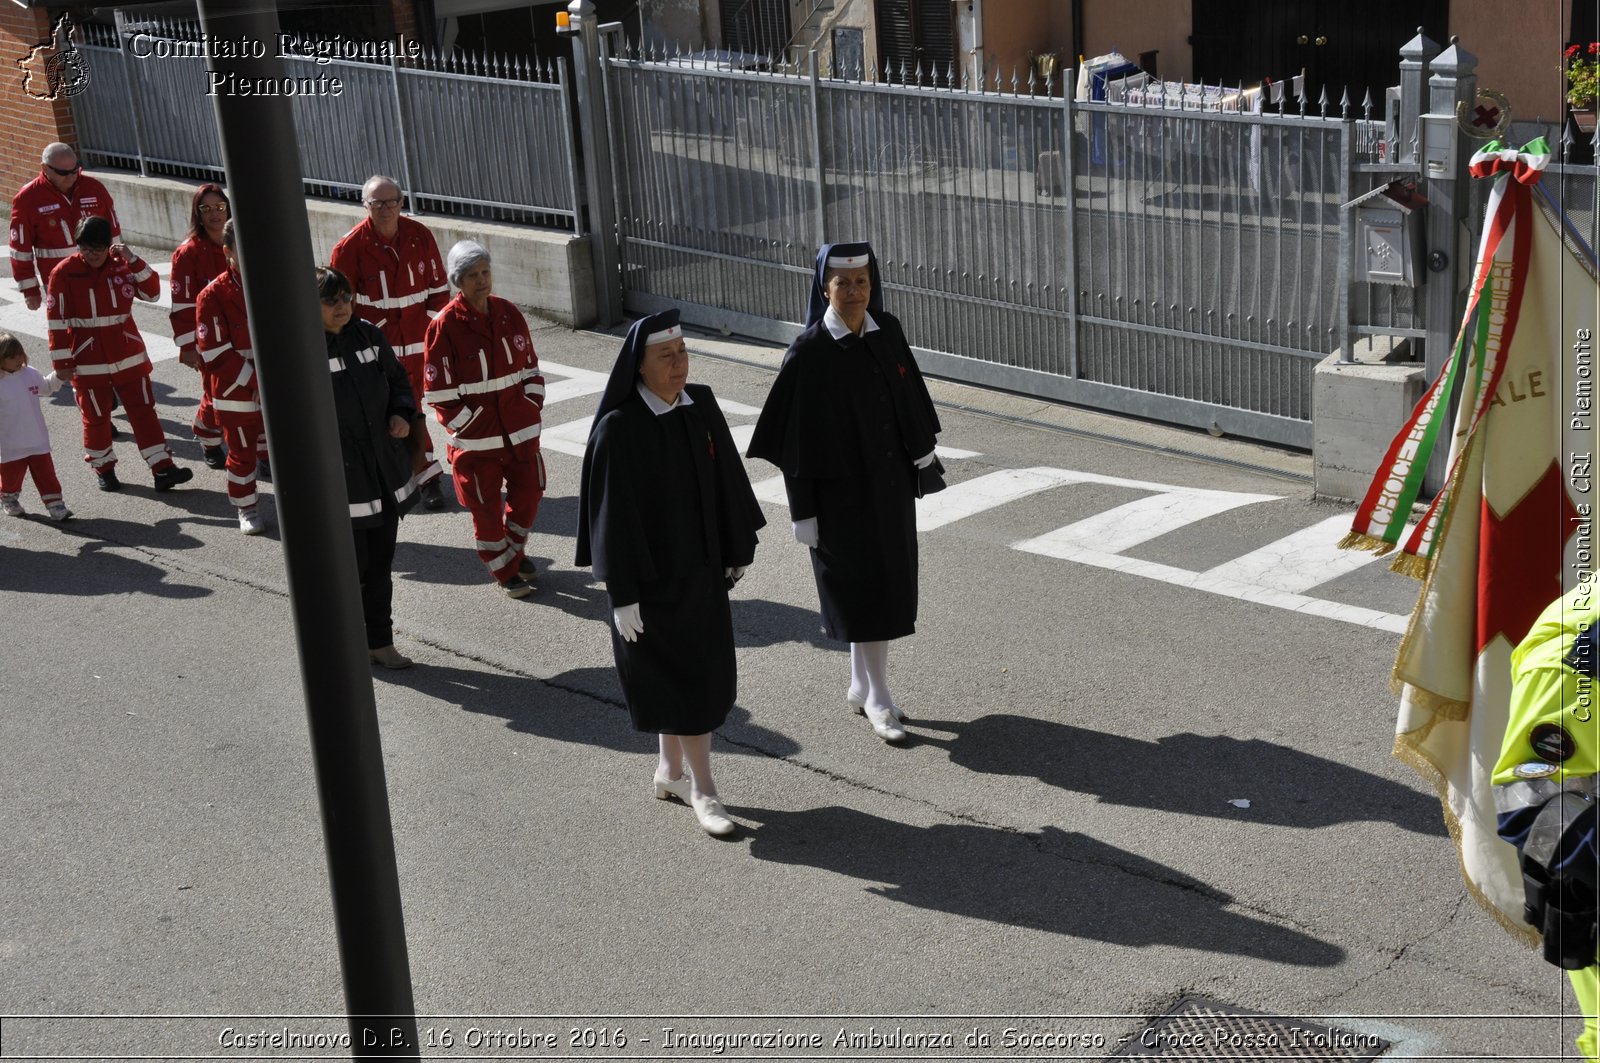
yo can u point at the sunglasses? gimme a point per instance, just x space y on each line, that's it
59 172
220 208
342 299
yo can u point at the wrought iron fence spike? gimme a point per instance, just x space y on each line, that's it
1366 105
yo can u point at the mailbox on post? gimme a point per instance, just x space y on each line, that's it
1388 234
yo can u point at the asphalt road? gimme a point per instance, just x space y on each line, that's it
1124 634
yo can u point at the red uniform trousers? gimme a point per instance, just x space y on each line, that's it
43 468
430 469
207 430
500 524
95 394
244 435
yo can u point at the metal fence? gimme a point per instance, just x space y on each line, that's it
1172 262
469 136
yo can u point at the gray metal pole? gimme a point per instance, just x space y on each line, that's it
592 119
821 230
264 182
133 97
1447 274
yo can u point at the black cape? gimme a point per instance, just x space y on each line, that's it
665 507
844 422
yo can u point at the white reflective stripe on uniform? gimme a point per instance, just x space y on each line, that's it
490 443
246 375
504 559
1529 793
484 548
366 509
114 367
54 252
100 458
392 302
443 289
439 395
245 501
27 282
155 455
176 306
242 481
91 322
367 354
484 387
405 490
247 353
409 349
429 473
534 389
183 340
522 435
335 365
214 352
513 528
20 256
236 406
462 419
142 276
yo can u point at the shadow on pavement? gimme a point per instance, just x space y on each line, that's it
1194 774
167 534
1053 881
93 572
758 622
564 708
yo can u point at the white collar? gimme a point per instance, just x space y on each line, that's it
657 405
839 330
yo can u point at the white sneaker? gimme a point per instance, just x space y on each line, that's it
59 511
884 723
250 522
712 816
11 506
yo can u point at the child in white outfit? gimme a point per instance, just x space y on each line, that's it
24 441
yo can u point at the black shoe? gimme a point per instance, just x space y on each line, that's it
432 497
215 458
172 476
529 573
108 480
516 587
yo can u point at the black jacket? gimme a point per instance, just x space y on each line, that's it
369 387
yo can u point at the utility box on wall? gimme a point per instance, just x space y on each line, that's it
1388 234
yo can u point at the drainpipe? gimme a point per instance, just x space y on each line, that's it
977 42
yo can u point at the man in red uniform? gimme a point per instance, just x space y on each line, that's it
96 345
393 264
485 386
222 336
45 216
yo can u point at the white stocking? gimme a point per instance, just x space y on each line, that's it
858 673
875 662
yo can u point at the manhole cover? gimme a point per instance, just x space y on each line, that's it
1196 1028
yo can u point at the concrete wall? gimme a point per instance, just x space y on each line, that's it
549 273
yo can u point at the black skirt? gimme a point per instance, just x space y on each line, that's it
866 564
680 676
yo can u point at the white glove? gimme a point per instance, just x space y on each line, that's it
805 532
734 572
924 461
630 625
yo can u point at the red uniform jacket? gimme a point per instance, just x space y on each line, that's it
483 377
222 335
196 263
44 223
90 312
398 286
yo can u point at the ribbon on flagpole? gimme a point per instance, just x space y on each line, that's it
1473 368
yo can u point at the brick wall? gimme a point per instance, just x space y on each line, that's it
405 18
26 124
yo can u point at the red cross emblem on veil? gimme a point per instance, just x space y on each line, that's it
902 370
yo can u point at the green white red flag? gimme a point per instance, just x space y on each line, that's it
1512 528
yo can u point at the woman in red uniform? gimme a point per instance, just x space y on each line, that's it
197 262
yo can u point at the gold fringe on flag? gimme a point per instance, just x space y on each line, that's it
1362 541
1411 565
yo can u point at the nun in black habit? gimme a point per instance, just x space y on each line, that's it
850 423
667 518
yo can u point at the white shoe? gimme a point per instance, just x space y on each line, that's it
667 788
712 816
11 506
250 522
860 705
884 723
58 511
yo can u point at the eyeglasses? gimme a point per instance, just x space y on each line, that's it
386 204
342 299
59 172
91 250
220 208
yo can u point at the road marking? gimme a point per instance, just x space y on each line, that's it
1131 524
1300 561
971 497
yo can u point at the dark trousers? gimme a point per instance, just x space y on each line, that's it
374 559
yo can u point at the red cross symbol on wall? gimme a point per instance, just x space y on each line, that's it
1488 117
